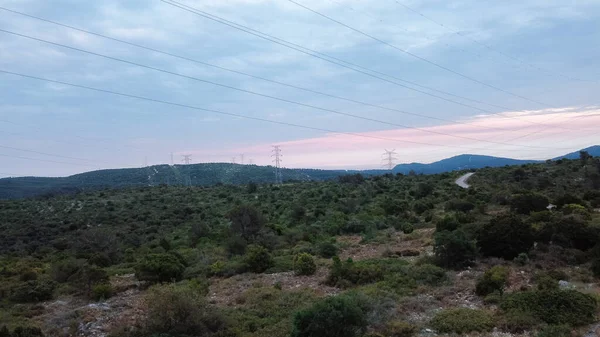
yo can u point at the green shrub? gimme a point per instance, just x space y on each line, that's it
595 267
180 310
304 264
555 331
462 321
459 205
505 236
159 268
529 202
493 280
447 223
327 249
400 329
33 291
102 292
522 259
258 259
553 307
339 316
21 331
246 221
428 274
518 322
347 273
546 282
454 250
407 228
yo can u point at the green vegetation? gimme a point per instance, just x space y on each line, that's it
377 255
462 321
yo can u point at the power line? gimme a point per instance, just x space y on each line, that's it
234 114
46 160
487 46
389 159
277 160
418 57
255 93
240 72
46 154
340 62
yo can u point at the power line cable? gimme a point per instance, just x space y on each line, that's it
487 46
46 154
257 93
340 62
45 160
236 71
229 113
472 79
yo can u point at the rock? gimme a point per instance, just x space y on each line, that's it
564 284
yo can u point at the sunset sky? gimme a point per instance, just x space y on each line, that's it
517 79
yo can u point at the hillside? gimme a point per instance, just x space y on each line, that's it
394 255
214 173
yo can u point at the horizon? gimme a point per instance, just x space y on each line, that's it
516 81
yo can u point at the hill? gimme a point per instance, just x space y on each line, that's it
209 174
457 163
593 151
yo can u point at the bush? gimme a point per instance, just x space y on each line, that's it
596 267
304 264
258 259
33 291
21 331
428 274
339 316
159 268
180 310
493 280
454 250
518 322
447 223
462 321
529 202
522 259
246 221
555 331
407 228
102 292
553 307
347 273
546 282
327 250
400 329
505 236
459 205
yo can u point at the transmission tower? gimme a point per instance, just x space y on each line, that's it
250 161
242 159
233 160
277 155
187 159
389 158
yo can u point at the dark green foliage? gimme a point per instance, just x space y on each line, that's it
529 202
553 307
420 206
462 321
505 236
545 281
252 187
428 274
327 249
493 280
423 189
258 259
447 223
459 205
33 291
181 311
339 316
400 329
21 331
159 268
198 231
98 245
596 267
454 250
347 273
518 322
304 264
246 221
102 292
407 228
354 179
570 232
394 206
555 331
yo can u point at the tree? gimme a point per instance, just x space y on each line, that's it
454 249
246 221
304 264
529 202
159 268
584 156
338 316
100 246
258 259
505 236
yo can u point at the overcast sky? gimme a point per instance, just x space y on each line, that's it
508 78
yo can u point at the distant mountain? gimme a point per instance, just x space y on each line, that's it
594 151
214 173
461 162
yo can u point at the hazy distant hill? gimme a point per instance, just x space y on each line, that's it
213 173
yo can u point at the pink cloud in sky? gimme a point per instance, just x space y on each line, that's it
553 131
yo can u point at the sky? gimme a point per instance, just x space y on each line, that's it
347 80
